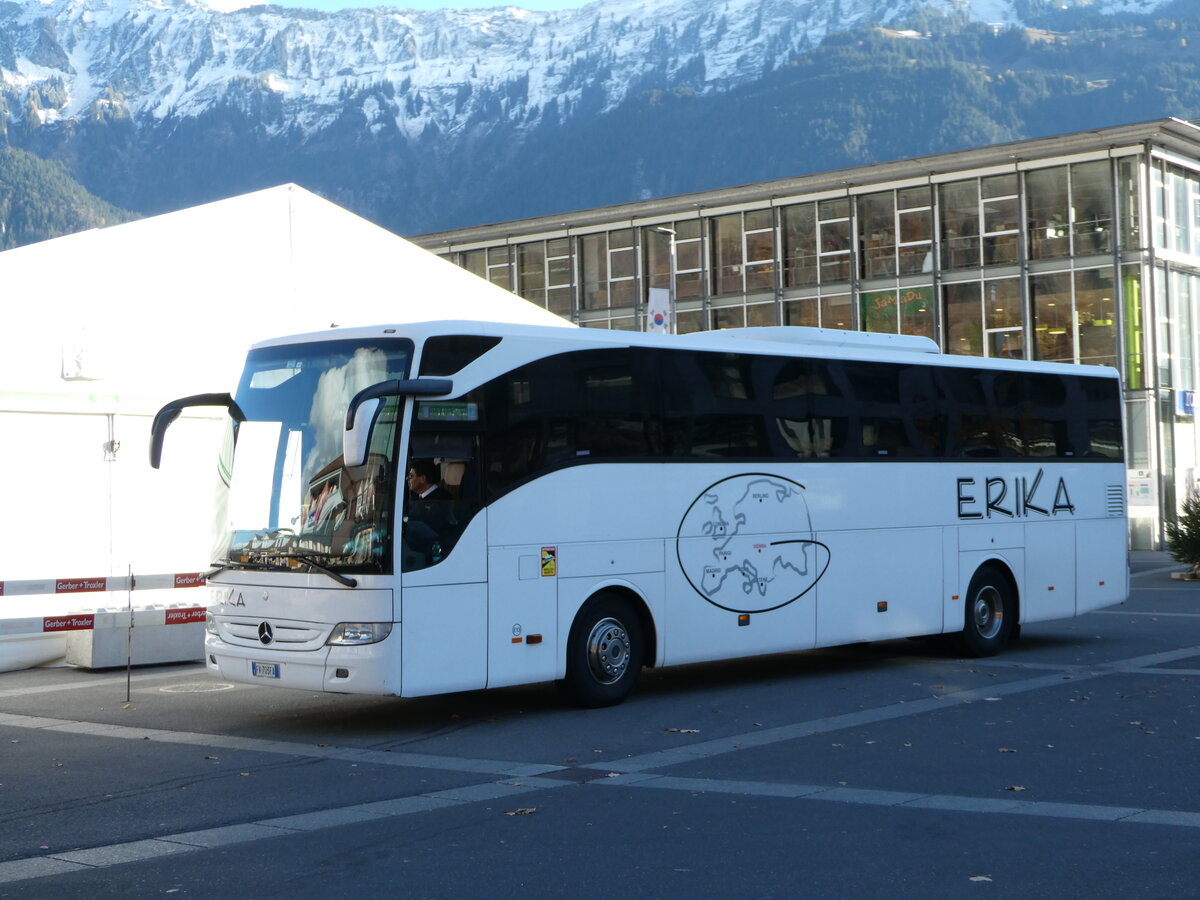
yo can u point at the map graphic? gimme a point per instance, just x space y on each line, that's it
746 544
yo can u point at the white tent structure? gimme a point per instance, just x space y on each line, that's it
99 329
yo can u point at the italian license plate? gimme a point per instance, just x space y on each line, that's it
264 670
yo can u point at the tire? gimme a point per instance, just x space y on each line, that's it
990 613
604 652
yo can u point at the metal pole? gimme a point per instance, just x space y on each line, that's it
670 233
671 286
129 640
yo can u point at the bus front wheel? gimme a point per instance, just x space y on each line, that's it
990 613
604 652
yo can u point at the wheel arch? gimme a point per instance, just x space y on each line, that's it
640 606
991 610
1005 569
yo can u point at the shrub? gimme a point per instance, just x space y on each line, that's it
1183 536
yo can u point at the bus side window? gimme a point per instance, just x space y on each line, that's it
434 523
616 416
710 407
798 387
1052 415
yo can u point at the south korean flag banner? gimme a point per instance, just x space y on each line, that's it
658 311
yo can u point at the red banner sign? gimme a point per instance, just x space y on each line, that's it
69 623
184 616
80 585
191 579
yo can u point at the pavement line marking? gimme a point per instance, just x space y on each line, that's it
1117 612
1066 669
285 748
765 736
246 832
657 759
1157 571
907 799
629 772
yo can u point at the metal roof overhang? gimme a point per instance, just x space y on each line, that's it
1174 134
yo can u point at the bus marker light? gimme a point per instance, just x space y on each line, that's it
881 606
517 639
533 639
954 596
1050 588
743 619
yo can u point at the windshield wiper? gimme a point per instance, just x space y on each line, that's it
222 564
322 568
260 564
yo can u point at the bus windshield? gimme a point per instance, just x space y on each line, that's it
291 503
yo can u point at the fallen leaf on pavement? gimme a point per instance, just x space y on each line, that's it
523 811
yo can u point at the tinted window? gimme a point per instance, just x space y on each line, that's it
555 412
711 407
642 404
449 353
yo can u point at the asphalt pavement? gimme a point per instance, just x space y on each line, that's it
1065 767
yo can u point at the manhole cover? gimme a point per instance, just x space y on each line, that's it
197 687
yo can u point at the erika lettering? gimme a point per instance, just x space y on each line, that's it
1011 498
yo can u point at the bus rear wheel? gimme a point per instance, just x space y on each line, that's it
605 651
990 615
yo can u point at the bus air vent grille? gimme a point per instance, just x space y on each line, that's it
1115 500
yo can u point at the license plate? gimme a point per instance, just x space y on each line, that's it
264 670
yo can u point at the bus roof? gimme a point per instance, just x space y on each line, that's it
822 342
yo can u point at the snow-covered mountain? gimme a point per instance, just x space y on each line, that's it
427 86
443 70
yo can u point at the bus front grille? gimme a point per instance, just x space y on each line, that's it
277 635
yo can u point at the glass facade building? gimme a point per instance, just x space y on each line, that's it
1079 248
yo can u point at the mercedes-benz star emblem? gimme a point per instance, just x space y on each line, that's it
265 634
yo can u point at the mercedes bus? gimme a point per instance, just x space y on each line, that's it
608 501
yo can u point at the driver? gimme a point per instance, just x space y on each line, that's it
429 518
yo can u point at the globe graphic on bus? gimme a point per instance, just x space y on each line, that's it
746 544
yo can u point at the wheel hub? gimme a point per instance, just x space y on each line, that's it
989 612
608 651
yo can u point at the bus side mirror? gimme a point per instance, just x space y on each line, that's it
169 413
365 406
357 436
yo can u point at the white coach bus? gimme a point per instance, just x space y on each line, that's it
611 500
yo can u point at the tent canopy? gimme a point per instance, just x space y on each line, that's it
168 305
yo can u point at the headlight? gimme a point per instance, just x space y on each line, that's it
356 633
210 623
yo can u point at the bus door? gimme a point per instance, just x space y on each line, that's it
522 613
1050 555
443 605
